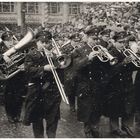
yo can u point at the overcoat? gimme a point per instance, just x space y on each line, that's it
43 98
118 95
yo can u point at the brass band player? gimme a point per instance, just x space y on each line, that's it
15 87
43 98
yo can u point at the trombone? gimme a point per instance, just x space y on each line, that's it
103 54
57 79
62 60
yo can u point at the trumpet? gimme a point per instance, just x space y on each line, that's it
62 60
103 54
134 56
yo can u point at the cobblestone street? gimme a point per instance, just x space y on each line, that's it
68 126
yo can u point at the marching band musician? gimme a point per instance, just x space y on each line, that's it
119 96
137 82
70 84
115 90
70 72
89 75
105 70
100 99
88 110
43 98
70 75
90 84
14 96
15 89
7 37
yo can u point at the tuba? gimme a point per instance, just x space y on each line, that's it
134 56
13 58
103 54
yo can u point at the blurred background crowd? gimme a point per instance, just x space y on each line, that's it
112 15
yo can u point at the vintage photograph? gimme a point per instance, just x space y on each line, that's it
69 69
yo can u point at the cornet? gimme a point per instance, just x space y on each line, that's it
135 58
103 54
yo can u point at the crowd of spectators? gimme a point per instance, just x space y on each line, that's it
96 14
109 14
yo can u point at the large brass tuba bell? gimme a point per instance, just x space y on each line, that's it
13 58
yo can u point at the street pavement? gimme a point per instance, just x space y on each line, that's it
68 126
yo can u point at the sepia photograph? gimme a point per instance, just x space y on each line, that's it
69 69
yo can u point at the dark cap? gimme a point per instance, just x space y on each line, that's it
105 32
6 34
75 36
121 36
92 30
45 34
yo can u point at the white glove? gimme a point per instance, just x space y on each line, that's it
48 67
92 55
49 54
21 67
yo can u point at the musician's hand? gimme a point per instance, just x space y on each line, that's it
104 49
48 67
92 55
127 60
49 54
21 67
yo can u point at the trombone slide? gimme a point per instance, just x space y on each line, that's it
57 79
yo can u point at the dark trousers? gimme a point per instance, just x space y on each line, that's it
51 127
91 127
114 123
13 104
126 125
72 100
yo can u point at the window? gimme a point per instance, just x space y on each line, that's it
31 7
7 7
74 8
54 8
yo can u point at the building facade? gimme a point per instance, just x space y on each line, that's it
39 12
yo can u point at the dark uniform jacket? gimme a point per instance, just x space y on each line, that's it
97 82
118 96
17 84
70 73
89 77
137 90
43 98
70 78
